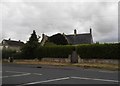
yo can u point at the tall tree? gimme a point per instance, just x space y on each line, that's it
29 50
33 39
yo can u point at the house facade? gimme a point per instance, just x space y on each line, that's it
12 44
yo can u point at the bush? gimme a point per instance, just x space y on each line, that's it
6 53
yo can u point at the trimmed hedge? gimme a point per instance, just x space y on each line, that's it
85 51
6 53
54 51
98 51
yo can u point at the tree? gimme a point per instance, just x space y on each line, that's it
58 39
29 49
33 39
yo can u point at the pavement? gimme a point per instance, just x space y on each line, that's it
29 75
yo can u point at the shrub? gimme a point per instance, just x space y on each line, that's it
6 53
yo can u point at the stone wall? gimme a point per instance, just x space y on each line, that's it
64 60
67 60
98 61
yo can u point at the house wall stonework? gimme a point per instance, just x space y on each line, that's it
12 45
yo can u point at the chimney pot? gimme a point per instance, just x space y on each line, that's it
75 32
90 31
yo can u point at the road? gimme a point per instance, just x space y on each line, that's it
29 75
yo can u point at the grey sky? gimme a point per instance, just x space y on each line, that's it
19 19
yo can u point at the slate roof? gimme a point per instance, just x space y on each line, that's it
80 38
12 43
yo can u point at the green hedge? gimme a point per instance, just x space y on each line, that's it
87 51
6 53
99 51
0 53
54 51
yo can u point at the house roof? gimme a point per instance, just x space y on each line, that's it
84 38
80 38
12 43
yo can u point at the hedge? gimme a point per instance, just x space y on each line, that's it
6 53
54 51
98 51
87 51
0 53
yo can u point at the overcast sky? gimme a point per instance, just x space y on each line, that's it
20 17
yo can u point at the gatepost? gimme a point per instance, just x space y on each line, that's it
74 56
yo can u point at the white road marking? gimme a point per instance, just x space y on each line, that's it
107 71
51 80
36 73
16 75
23 72
95 79
15 72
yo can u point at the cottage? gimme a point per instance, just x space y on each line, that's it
73 39
12 44
85 38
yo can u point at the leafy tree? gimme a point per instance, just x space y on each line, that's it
29 49
58 39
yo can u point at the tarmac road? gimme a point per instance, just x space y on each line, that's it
29 75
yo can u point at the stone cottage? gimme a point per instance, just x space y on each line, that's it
73 39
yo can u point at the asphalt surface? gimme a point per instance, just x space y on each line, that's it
29 75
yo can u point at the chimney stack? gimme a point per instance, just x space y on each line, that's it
90 31
75 32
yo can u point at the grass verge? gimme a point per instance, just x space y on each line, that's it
105 66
